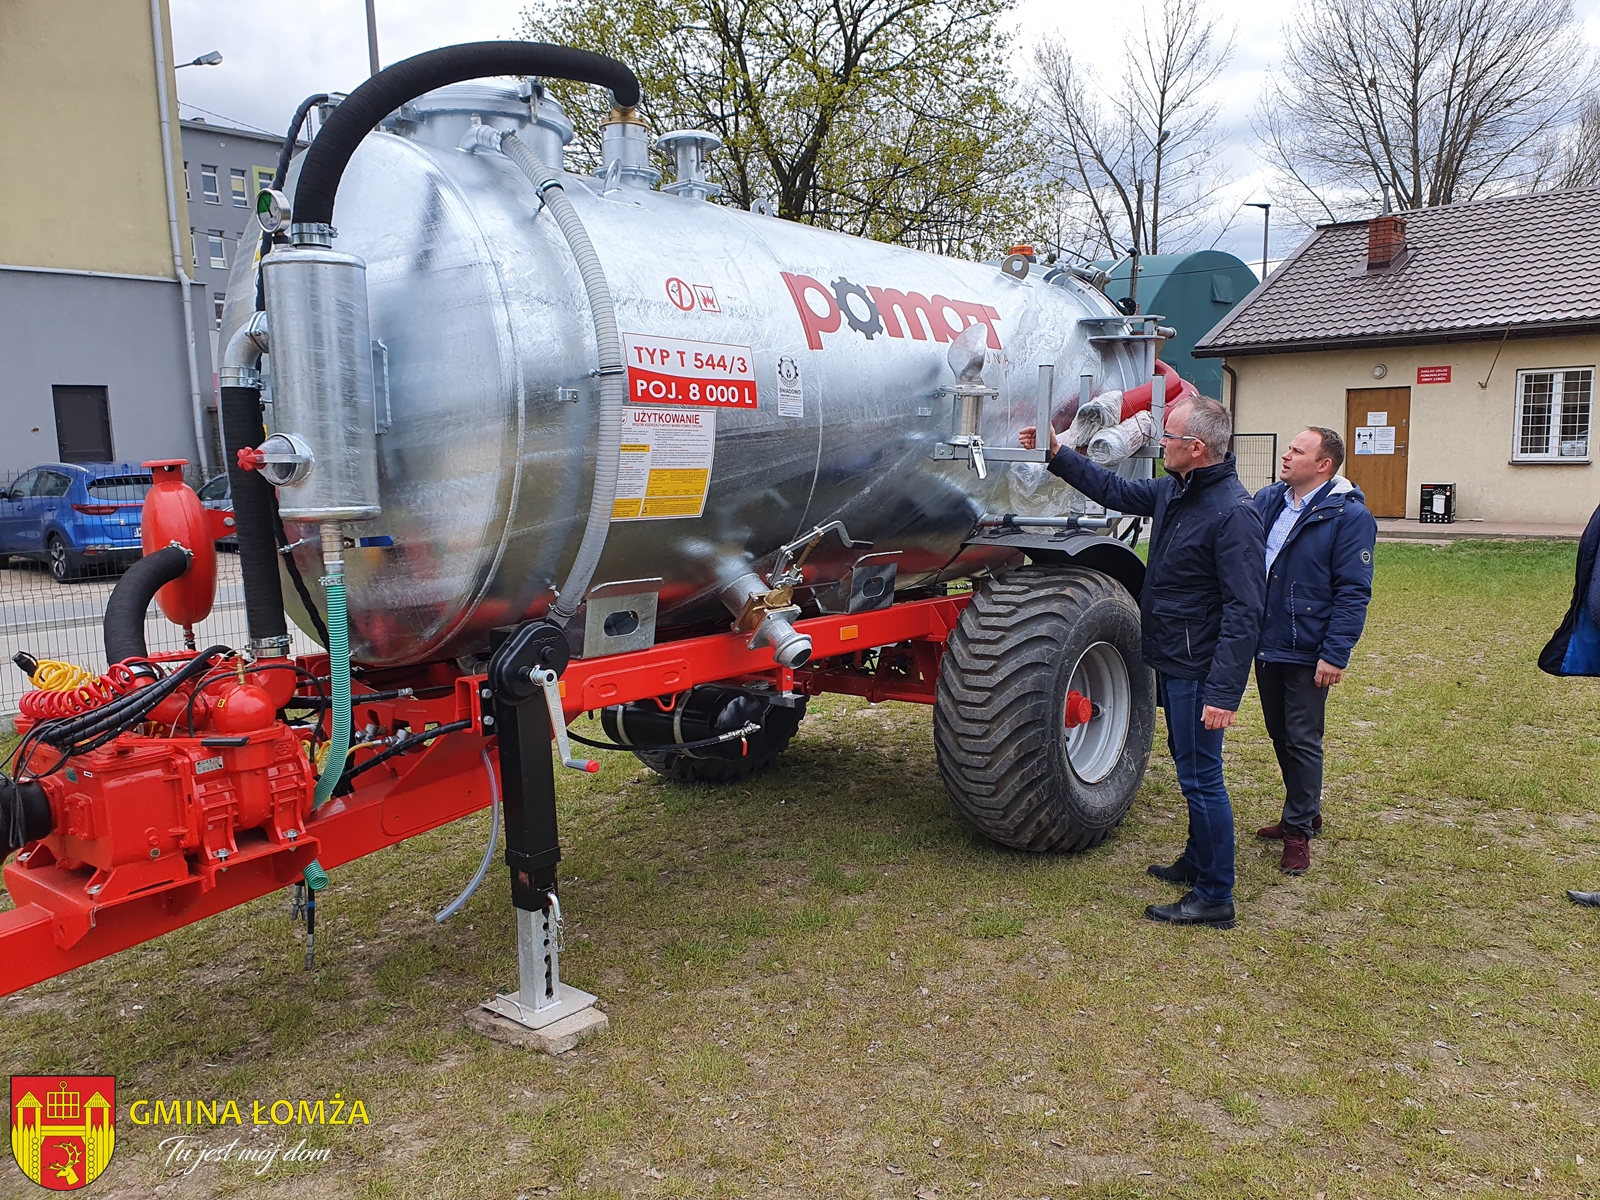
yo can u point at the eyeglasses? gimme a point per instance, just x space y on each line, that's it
1178 437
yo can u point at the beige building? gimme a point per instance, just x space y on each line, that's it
1449 345
102 332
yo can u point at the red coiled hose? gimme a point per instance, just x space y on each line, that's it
41 705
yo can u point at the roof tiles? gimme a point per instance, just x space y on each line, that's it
1485 267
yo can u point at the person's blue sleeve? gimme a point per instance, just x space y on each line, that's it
1351 572
1592 601
1136 497
1241 566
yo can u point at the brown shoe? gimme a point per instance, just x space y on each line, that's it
1274 832
1296 855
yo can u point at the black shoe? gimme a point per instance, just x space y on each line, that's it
1179 872
1592 899
1189 911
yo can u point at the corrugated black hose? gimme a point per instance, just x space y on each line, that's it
123 625
25 813
280 537
360 111
285 156
255 508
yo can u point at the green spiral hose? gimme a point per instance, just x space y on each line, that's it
339 667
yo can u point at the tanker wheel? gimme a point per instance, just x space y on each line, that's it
778 726
1045 709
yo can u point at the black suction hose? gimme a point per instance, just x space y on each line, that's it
286 152
360 111
130 600
285 157
280 538
24 814
254 511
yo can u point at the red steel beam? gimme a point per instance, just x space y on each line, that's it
370 819
677 666
443 783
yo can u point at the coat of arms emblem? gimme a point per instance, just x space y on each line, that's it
62 1130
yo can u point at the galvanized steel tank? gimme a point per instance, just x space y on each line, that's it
484 401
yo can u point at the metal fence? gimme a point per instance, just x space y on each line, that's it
1257 455
62 621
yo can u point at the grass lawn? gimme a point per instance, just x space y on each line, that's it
822 984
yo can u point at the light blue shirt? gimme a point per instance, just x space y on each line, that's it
1281 528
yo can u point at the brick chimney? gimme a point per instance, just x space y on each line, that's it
1386 240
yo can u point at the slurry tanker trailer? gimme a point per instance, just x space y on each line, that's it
515 445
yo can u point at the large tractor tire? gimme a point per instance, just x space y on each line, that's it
724 764
1045 709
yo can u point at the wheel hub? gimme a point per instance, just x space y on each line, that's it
1099 701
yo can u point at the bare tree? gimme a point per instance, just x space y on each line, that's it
1138 157
1433 101
1577 160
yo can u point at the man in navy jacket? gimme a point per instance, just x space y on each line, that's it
1319 538
1200 612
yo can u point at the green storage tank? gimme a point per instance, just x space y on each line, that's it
1191 292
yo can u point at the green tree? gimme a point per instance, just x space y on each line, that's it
888 119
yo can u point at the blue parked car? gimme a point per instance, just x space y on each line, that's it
75 516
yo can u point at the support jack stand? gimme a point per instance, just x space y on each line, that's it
542 999
543 1013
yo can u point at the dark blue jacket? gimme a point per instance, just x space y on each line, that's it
1575 648
1201 604
1321 581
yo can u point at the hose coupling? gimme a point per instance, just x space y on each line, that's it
332 552
481 137
767 613
245 377
312 233
269 647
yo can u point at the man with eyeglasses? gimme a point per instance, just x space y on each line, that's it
1200 609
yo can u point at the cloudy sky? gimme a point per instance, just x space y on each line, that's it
262 78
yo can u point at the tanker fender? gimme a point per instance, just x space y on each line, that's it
1104 554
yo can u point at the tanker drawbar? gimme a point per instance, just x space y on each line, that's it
543 444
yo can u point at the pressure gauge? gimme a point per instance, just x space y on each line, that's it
272 210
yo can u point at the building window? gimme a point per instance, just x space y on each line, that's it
187 194
263 178
208 184
241 189
83 423
218 299
214 246
1553 409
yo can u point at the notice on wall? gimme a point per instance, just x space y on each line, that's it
1377 418
663 370
791 395
1375 439
664 470
1433 374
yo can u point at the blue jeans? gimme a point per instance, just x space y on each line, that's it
1197 754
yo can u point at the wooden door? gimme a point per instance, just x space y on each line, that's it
1377 432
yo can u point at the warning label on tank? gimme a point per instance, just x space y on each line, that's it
663 370
665 466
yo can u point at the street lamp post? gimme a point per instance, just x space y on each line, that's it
372 37
1266 222
209 59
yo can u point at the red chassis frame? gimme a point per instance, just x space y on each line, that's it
61 921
